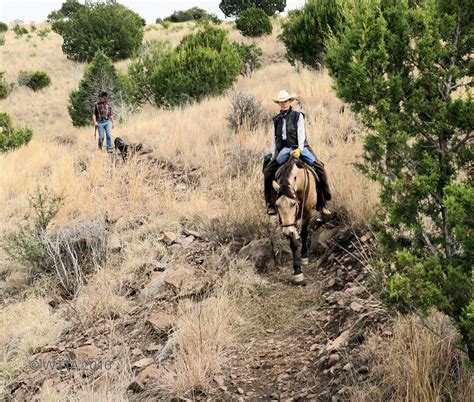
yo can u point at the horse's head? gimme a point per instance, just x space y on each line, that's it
287 203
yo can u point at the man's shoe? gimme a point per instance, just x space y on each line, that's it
271 210
109 151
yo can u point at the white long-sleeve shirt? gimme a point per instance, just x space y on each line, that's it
301 134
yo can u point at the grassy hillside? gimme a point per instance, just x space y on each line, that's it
202 177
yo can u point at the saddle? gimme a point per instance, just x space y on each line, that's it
300 164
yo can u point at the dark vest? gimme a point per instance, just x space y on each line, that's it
291 130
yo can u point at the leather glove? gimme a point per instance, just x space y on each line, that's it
296 153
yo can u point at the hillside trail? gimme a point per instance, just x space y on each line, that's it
303 343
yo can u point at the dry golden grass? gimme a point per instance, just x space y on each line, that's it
26 327
205 331
419 363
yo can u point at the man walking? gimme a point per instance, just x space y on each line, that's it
102 117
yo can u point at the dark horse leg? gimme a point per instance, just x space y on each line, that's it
305 244
298 277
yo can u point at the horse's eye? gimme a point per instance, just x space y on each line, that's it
295 178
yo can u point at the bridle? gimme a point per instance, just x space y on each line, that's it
298 209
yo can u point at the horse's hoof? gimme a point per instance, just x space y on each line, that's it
304 261
299 280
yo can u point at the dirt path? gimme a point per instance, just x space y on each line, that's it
303 343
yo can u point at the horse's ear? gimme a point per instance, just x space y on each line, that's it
276 186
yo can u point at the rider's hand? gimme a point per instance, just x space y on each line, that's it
296 153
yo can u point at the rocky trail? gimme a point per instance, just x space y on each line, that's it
300 343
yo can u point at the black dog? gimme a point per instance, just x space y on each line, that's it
122 147
129 149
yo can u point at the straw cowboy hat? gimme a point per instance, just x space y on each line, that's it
284 96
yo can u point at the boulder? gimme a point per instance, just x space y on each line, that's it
156 288
260 252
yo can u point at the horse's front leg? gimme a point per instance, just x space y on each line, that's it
304 244
298 277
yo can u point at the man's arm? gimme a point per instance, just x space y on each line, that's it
301 132
112 117
94 119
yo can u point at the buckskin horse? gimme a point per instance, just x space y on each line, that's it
295 185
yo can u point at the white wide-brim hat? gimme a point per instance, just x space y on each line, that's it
284 96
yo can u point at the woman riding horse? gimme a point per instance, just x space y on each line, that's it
289 138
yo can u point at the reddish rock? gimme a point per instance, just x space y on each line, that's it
169 238
146 361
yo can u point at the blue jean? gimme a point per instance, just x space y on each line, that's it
306 156
101 124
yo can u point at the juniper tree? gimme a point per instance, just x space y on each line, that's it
406 66
101 75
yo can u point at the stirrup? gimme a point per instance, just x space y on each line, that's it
271 210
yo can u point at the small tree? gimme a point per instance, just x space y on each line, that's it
232 8
192 14
403 66
106 26
250 56
11 137
141 70
100 75
5 87
203 64
3 27
305 30
39 80
254 22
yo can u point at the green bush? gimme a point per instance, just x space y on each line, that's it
11 137
43 33
24 77
305 30
101 75
19 30
203 64
140 70
2 40
34 80
33 27
106 26
5 87
254 22
232 8
389 62
250 56
192 14
39 80
3 27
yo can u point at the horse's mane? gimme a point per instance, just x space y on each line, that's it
284 177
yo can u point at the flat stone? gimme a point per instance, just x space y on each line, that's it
87 352
355 290
357 307
155 289
219 379
169 238
193 233
150 372
240 391
313 347
146 361
339 342
161 321
347 367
